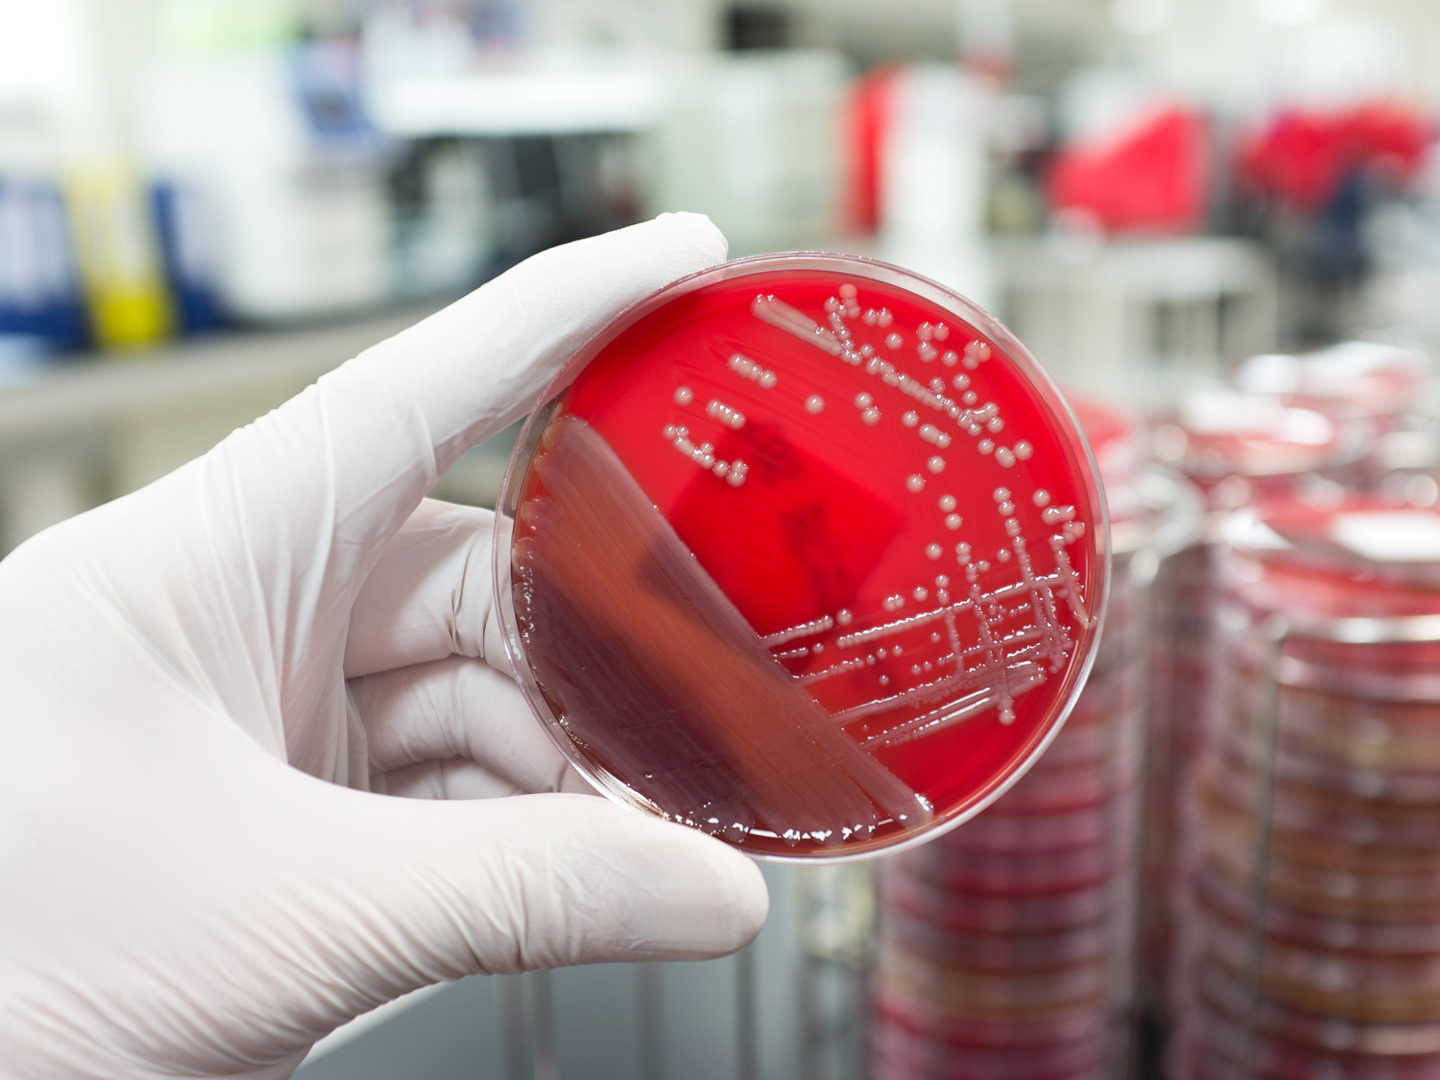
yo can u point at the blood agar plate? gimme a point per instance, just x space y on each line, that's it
804 551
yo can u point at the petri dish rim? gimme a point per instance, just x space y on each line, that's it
860 267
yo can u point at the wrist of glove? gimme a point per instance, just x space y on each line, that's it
262 764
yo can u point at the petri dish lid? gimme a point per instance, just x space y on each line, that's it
804 551
1371 378
1352 554
1358 584
1216 433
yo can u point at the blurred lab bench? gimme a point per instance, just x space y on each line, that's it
84 432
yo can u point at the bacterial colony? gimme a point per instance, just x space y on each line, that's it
936 589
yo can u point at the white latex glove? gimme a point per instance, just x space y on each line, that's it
203 684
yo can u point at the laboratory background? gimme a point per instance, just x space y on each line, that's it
1215 222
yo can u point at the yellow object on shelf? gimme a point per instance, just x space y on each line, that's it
119 260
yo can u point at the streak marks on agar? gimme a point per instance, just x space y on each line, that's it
1006 663
818 626
703 454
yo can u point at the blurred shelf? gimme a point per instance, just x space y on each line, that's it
538 101
81 433
1132 320
1174 269
70 399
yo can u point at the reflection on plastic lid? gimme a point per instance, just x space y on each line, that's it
1363 556
1373 378
1218 433
807 553
1389 535
1251 416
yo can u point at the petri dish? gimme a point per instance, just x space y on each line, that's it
1217 433
1365 378
804 551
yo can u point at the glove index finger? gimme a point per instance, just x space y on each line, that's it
300 503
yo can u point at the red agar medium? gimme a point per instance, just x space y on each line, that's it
803 551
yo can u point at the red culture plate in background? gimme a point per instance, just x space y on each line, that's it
807 552
1359 555
920 899
1082 1024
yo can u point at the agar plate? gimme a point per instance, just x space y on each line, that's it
804 551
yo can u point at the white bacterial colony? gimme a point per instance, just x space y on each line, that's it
703 454
869 413
745 367
734 419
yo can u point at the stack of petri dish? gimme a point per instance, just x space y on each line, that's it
1235 447
1005 947
1311 903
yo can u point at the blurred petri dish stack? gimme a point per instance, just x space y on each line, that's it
1235 446
1311 900
1006 947
1385 387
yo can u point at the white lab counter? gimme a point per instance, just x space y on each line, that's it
84 432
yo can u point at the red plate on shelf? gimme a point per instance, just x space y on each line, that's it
804 551
920 898
1356 555
1216 433
901 1051
1075 1027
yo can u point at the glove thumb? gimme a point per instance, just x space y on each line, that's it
265 907
413 892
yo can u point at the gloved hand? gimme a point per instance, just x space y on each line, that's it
205 686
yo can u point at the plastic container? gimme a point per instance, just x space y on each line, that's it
1236 447
804 551
1311 888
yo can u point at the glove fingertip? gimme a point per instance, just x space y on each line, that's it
750 897
729 898
703 233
